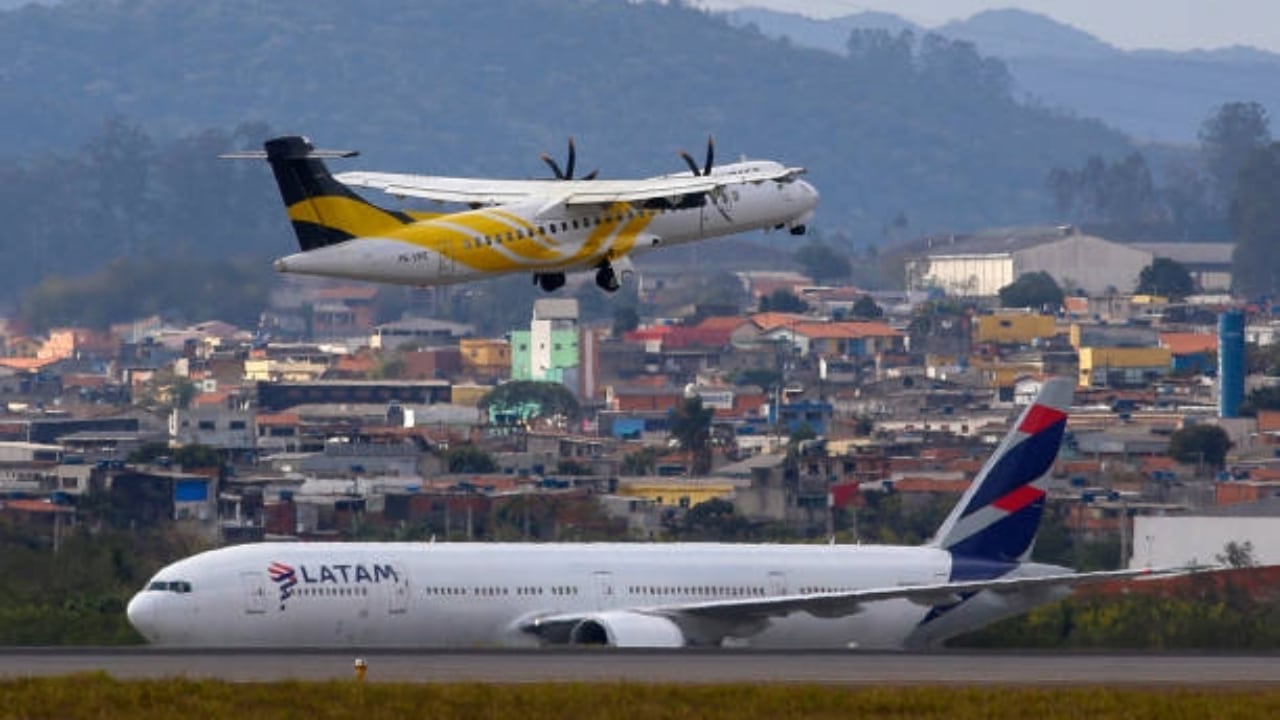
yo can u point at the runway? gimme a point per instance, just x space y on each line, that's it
835 668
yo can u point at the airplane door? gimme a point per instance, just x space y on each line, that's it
444 264
606 597
254 586
777 583
399 600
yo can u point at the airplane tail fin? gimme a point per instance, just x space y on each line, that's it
996 519
322 210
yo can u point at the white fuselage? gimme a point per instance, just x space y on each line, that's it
466 595
530 237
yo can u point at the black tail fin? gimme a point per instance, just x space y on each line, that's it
323 211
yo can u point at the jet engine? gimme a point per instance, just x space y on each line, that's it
621 628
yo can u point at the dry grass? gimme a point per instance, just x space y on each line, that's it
100 697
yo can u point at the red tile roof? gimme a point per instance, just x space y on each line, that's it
1189 343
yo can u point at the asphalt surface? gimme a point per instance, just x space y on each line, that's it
604 665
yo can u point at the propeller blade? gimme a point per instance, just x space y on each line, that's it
555 167
711 155
591 175
573 158
688 160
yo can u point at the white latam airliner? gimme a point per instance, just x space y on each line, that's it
543 227
975 571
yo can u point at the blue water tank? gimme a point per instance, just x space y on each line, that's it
1231 369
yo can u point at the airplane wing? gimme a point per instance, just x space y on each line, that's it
480 191
732 615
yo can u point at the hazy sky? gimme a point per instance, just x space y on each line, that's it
1128 24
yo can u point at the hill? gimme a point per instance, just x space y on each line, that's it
123 92
1151 95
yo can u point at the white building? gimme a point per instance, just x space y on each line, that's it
979 265
1201 538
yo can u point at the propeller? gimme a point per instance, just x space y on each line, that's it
711 156
570 162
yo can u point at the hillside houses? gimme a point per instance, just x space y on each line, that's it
359 424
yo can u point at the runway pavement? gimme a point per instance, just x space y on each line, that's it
947 668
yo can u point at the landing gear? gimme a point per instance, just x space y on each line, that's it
798 229
606 278
549 282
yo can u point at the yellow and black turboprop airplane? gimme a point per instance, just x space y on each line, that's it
543 227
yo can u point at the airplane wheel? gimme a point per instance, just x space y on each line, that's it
550 282
607 279
798 230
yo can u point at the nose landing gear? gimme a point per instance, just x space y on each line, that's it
549 282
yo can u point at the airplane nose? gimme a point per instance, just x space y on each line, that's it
142 615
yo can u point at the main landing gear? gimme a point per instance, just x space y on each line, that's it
549 282
606 278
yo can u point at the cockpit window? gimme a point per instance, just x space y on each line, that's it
177 586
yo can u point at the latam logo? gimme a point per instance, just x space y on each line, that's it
286 577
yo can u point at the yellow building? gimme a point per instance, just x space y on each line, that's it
675 492
1013 328
469 394
1123 366
486 358
273 370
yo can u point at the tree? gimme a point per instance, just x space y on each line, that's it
1255 220
691 427
1200 445
1033 290
551 398
781 300
865 308
1237 555
469 459
1165 277
1228 138
625 319
821 262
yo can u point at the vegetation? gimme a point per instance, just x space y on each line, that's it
87 184
1165 277
552 399
103 698
1255 218
866 309
77 595
691 427
1201 445
1032 290
469 459
1208 615
822 262
782 300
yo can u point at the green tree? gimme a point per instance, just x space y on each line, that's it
1255 220
640 462
782 300
1033 290
1165 277
691 427
625 319
822 263
1200 445
866 309
1228 138
469 459
552 398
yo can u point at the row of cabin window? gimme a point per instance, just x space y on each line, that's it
498 591
714 590
332 591
543 230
